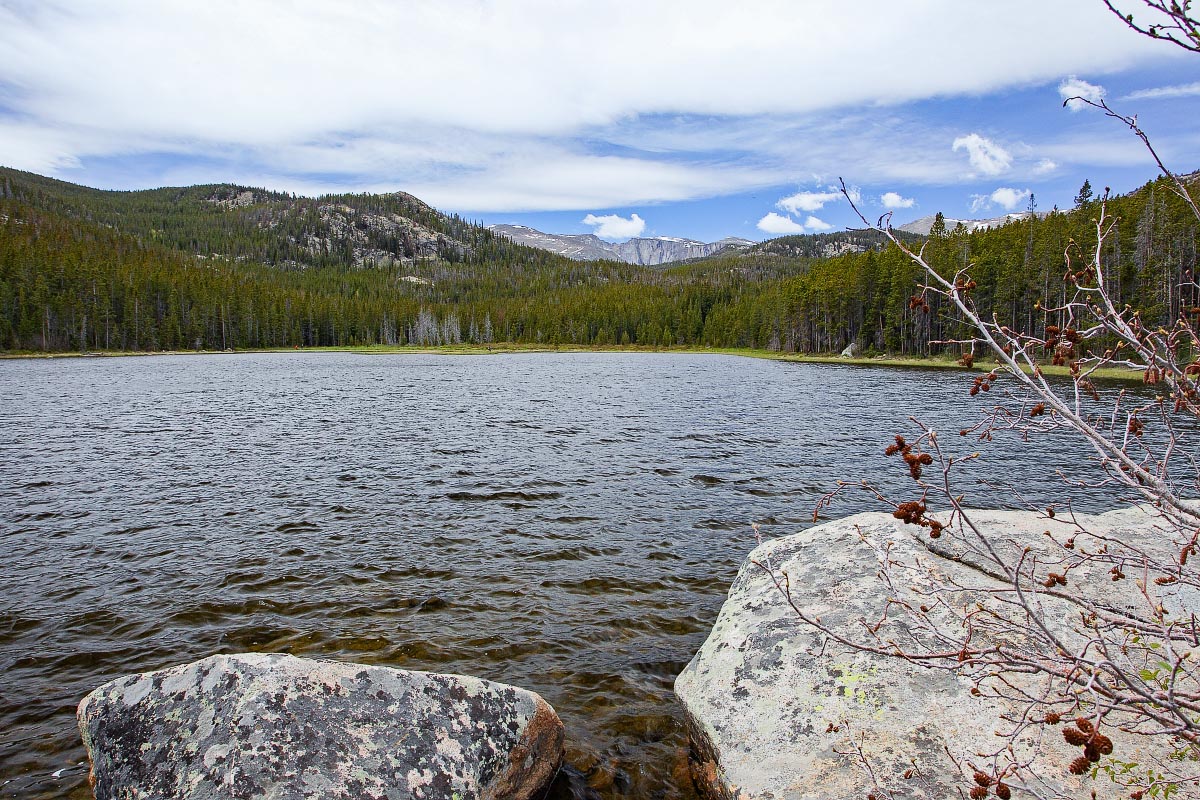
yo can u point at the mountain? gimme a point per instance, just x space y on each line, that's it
225 222
922 226
821 245
225 266
641 251
251 224
581 247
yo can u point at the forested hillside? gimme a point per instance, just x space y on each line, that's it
1019 268
218 267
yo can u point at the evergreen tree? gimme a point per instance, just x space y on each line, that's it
1085 194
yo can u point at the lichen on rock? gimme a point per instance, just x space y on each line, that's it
270 725
775 709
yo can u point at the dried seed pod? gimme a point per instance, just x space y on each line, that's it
1052 718
982 778
978 793
1079 766
1075 736
1003 792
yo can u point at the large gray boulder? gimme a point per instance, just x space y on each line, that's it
777 710
275 726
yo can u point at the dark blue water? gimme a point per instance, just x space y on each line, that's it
567 523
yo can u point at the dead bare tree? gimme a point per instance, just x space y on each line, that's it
1171 21
1129 660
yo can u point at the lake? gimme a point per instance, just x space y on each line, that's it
565 522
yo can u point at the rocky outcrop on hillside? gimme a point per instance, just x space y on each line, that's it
821 245
649 251
378 234
777 710
271 725
234 197
379 239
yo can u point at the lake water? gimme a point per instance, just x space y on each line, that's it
566 523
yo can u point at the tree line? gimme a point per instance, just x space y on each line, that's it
217 268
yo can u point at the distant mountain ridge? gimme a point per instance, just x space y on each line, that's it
659 250
922 226
646 252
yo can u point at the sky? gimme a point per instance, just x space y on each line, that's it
695 118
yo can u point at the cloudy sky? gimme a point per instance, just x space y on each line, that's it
698 118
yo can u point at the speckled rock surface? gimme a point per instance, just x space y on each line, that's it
775 711
275 726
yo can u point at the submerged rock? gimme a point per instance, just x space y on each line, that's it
777 710
269 725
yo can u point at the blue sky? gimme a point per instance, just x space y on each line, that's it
702 119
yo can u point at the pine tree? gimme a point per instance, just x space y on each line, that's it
1085 194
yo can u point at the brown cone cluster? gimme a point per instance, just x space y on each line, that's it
1094 743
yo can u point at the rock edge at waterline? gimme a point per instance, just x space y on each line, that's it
273 725
775 711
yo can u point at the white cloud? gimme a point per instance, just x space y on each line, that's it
1044 167
894 200
985 156
540 178
277 69
1074 88
611 226
1009 198
1100 151
815 201
472 107
814 224
807 201
1165 92
775 223
1005 197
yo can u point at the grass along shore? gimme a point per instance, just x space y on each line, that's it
502 348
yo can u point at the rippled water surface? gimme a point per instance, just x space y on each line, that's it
566 523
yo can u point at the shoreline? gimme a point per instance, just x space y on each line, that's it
902 362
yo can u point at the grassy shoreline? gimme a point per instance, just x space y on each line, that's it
510 348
